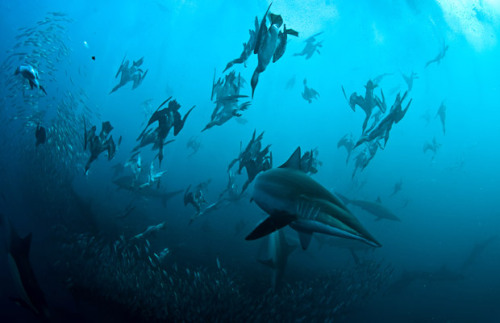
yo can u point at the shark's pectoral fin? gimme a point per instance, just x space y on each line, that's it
32 84
305 239
274 222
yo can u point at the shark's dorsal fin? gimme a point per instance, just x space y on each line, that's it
274 222
305 239
294 160
378 200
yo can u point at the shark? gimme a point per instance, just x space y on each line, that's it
278 250
376 208
145 191
29 293
293 198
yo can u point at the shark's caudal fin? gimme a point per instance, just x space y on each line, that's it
294 160
274 222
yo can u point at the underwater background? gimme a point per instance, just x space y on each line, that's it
91 252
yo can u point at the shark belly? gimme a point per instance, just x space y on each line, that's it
270 203
311 226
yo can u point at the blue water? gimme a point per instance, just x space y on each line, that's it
447 203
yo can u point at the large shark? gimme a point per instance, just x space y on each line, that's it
278 251
29 293
291 197
376 208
